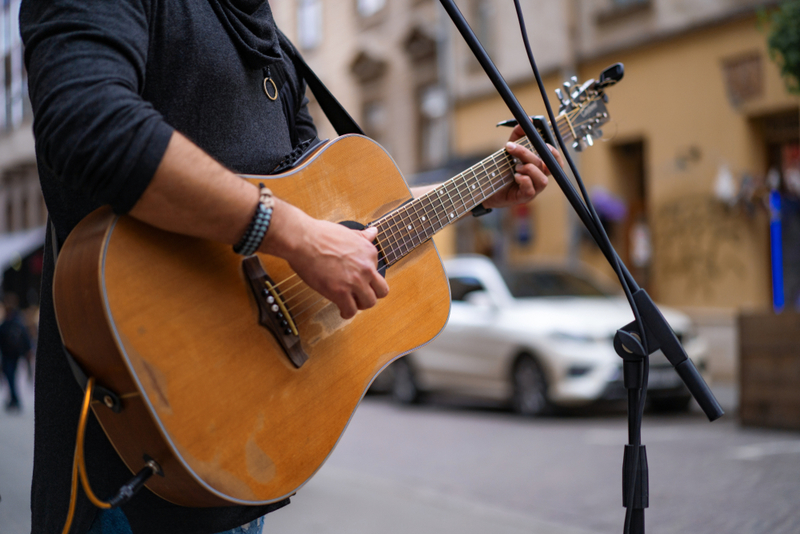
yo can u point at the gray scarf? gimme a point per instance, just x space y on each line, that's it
252 28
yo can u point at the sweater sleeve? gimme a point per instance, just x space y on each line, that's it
86 72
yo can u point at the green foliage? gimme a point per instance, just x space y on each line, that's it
783 41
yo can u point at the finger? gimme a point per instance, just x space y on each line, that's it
347 306
523 154
370 233
379 286
538 177
516 133
525 188
557 155
364 297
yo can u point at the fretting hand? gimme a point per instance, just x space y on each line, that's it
530 175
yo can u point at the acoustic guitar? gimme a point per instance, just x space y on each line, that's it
235 377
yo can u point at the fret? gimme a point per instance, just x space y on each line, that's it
387 245
441 194
441 220
479 190
458 189
394 239
417 221
473 192
425 230
415 225
400 247
404 231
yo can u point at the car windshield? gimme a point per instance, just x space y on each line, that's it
551 283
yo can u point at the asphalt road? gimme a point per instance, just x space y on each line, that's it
447 469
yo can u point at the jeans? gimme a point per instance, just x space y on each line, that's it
10 371
113 521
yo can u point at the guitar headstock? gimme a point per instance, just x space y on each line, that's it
583 106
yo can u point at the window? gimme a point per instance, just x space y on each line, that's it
309 23
482 22
367 8
555 283
375 120
433 139
462 286
13 108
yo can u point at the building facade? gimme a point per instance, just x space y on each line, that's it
22 210
699 120
703 129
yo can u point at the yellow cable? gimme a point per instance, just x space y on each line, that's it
79 465
73 494
87 399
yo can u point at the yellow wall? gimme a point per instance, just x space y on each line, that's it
475 133
673 97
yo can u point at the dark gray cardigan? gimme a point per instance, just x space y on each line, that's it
109 81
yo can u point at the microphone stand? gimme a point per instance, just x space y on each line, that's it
627 341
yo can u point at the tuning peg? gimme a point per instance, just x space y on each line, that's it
589 140
567 86
574 80
560 95
577 146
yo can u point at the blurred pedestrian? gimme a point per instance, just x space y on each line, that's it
15 343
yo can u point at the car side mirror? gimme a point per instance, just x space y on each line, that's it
481 299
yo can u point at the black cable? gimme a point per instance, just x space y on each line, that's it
604 243
608 249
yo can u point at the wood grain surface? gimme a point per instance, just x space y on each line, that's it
170 320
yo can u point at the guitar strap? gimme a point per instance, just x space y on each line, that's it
341 121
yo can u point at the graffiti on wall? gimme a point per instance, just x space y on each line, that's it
697 242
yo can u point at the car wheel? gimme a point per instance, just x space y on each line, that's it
404 386
670 404
530 387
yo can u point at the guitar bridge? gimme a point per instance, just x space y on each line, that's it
273 313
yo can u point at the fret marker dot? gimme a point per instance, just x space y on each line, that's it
493 174
473 186
423 218
409 227
452 215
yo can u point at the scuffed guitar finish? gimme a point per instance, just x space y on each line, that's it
169 322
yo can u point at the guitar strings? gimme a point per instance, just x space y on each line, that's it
298 313
404 213
388 249
393 231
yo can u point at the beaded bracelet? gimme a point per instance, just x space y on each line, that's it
259 225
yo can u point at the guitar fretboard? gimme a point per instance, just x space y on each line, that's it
415 222
412 224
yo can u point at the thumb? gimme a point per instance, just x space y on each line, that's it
370 233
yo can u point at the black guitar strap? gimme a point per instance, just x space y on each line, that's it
341 121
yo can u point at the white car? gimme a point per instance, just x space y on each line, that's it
538 339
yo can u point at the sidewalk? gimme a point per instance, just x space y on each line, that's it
338 501
334 501
16 462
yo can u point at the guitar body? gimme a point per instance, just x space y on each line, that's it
170 324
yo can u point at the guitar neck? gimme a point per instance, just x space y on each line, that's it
414 223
